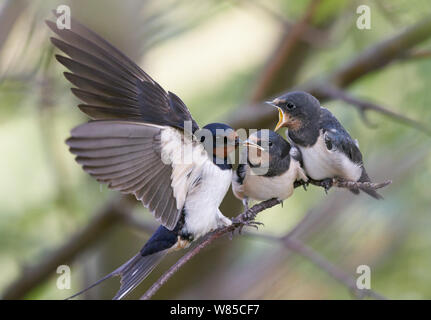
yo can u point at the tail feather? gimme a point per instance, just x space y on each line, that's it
116 272
354 191
92 285
373 193
136 270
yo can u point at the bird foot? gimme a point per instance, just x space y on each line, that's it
242 222
302 183
327 184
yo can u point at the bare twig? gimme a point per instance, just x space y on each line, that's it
277 73
364 185
245 216
334 271
9 14
331 92
31 276
370 60
413 55
341 183
311 35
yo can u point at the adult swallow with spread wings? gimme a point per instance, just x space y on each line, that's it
271 168
136 142
328 151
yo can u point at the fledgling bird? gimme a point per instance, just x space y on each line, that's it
328 151
272 167
137 144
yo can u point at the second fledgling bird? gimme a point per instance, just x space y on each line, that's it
271 169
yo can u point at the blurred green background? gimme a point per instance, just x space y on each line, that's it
215 56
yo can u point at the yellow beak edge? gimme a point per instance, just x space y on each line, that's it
281 121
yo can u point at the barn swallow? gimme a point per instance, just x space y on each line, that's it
328 151
136 142
271 169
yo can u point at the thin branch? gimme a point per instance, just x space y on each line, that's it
334 271
285 61
288 241
313 36
370 60
331 92
245 216
414 55
363 185
341 183
32 276
9 14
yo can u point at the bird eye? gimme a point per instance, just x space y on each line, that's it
270 143
202 139
290 106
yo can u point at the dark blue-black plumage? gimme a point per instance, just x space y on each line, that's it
134 144
327 149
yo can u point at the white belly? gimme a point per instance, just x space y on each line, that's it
264 188
321 163
202 203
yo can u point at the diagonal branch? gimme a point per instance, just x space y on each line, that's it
33 275
253 211
247 218
334 271
370 60
284 63
331 92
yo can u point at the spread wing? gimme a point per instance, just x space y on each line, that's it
111 85
337 138
141 159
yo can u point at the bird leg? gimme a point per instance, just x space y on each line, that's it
245 203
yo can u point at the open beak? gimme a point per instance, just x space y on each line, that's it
281 121
252 144
271 103
281 118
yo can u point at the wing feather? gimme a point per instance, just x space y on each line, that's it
127 156
111 85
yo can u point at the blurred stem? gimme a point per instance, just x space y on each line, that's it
284 63
334 271
98 226
9 14
374 58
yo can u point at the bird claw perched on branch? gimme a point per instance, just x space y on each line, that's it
245 221
325 183
249 223
299 183
342 183
247 218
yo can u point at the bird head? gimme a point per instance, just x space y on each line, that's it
219 139
266 148
296 109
